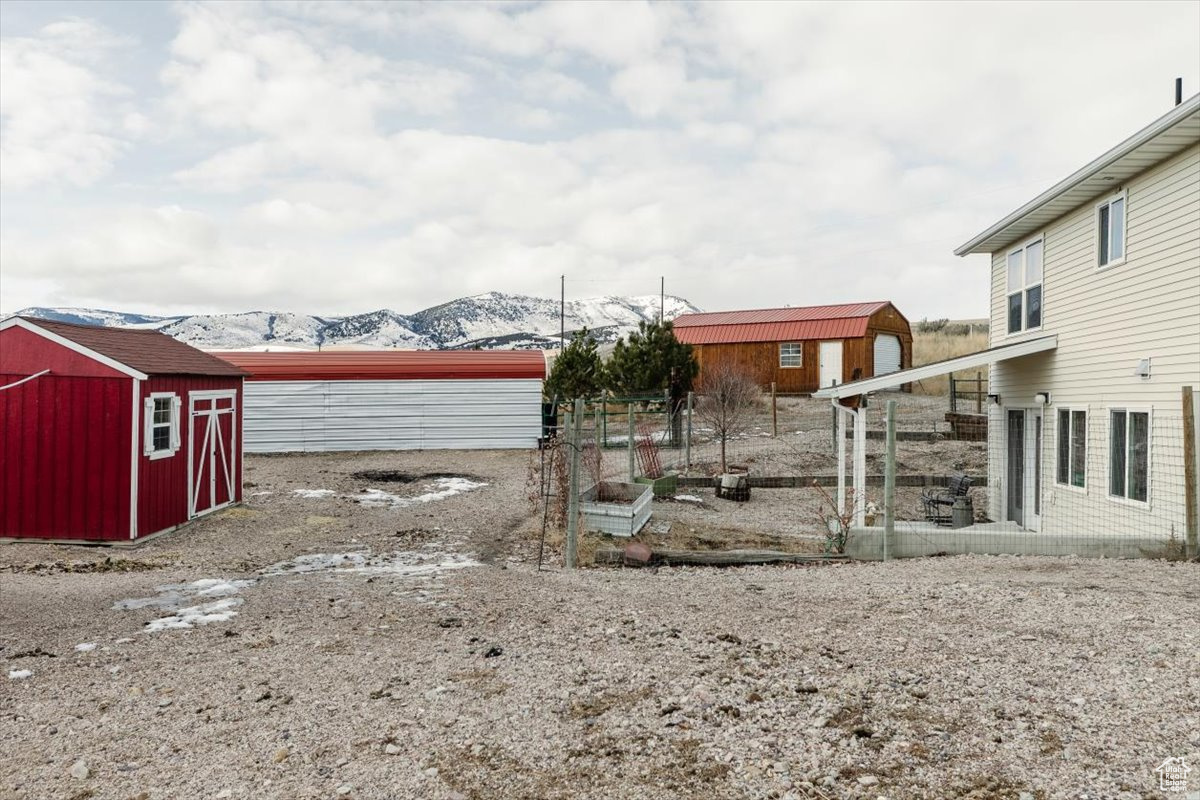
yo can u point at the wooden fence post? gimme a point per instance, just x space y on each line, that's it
573 484
629 407
687 447
953 395
978 392
1189 472
774 412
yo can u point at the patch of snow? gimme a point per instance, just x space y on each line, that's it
313 494
445 487
19 674
688 498
261 494
85 647
403 564
181 597
203 614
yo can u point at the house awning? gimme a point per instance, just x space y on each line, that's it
983 358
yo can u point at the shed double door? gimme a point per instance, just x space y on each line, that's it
212 451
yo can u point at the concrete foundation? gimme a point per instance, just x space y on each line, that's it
916 540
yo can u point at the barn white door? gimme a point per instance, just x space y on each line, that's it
830 357
887 353
212 451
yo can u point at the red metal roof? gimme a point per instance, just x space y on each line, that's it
847 321
397 365
150 352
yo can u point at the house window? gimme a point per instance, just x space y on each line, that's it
1110 231
161 425
790 354
1129 454
1072 447
1025 287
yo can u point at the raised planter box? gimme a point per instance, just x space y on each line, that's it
666 486
624 512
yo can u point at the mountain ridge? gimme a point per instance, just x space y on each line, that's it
492 320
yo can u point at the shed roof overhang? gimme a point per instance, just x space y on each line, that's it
983 358
1167 135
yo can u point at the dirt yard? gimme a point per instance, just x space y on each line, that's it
350 633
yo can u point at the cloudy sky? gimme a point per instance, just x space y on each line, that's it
332 158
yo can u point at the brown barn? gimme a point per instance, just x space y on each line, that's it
802 349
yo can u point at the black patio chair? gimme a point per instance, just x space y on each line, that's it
938 504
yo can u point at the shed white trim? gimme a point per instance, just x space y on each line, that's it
134 458
982 358
17 322
24 380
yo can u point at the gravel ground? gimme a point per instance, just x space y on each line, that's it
428 657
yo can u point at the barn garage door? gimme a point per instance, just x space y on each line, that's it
326 416
887 353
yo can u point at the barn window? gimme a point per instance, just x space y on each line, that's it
1025 287
790 354
161 425
1072 447
1110 231
1129 455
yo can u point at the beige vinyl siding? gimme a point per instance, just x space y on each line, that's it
1106 321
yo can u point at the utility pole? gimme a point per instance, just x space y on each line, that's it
662 299
562 313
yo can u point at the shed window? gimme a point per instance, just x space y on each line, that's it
791 354
161 425
1129 454
1072 447
1110 231
1025 287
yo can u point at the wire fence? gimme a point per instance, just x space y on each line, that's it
1048 480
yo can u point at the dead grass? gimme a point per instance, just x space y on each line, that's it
931 347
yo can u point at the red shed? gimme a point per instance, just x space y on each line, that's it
111 434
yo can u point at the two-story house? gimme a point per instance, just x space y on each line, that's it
1095 330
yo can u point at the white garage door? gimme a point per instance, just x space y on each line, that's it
323 416
887 353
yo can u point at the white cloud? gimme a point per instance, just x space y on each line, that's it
59 119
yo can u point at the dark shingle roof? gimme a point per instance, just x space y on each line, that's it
150 352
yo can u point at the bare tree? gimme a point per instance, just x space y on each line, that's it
728 399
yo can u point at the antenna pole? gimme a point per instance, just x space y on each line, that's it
662 300
562 314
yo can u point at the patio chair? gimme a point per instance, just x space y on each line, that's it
938 504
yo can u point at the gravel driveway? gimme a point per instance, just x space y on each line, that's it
346 636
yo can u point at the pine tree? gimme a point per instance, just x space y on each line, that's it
578 371
653 361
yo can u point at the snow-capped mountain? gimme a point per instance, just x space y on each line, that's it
489 321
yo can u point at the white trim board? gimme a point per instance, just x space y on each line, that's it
972 360
17 322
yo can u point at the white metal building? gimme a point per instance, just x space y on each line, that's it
391 400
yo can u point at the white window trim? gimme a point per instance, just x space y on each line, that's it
1125 501
1088 478
799 345
1121 195
148 426
1041 237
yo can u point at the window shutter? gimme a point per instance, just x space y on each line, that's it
176 403
147 426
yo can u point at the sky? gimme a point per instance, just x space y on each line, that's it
333 158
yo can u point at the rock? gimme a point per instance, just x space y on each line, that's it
867 780
392 749
79 770
281 755
495 650
432 772
164 703
1025 796
345 789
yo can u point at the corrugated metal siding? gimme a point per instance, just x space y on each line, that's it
323 416
1106 320
851 328
390 365
64 456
